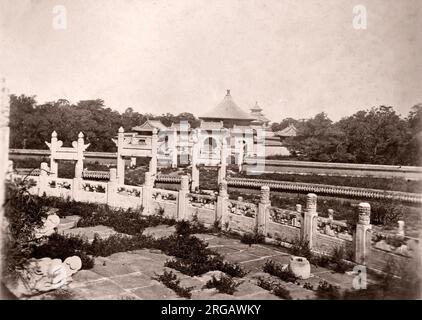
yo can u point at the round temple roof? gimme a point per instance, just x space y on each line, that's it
227 109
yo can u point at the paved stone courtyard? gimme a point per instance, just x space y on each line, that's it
129 275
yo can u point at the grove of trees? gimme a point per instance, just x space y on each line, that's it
375 136
378 135
32 124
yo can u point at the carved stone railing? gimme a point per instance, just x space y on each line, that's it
129 191
201 200
101 175
59 183
242 208
394 243
334 228
28 171
164 195
94 187
286 217
168 179
326 189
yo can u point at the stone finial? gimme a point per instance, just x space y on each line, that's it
299 208
184 183
223 188
80 135
54 134
364 213
311 202
400 229
331 214
265 194
121 130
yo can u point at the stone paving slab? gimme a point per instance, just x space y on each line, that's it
343 281
89 232
238 257
130 275
111 269
100 288
156 291
133 280
85 276
159 231
68 222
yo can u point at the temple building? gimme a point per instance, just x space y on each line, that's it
259 118
227 134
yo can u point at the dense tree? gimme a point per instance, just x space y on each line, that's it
378 136
31 124
277 126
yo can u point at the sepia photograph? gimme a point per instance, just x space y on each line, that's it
214 156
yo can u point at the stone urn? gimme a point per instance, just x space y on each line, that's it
300 267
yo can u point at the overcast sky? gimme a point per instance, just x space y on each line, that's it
296 58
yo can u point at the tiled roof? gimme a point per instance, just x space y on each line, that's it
256 113
289 131
227 109
150 125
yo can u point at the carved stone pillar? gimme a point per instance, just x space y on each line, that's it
362 241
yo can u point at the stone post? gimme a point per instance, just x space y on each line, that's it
182 209
263 212
330 214
79 167
222 169
195 170
154 146
363 237
298 221
195 177
174 149
400 229
112 188
42 179
309 223
53 161
221 208
120 160
147 193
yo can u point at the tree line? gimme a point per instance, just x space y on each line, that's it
378 135
375 136
31 124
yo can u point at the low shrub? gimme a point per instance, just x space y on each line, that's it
225 284
169 279
58 246
337 260
124 221
308 286
186 228
252 238
326 291
277 270
275 288
320 260
301 248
